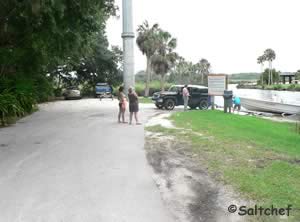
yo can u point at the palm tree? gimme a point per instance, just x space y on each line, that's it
183 71
260 60
270 57
204 68
147 43
165 57
179 70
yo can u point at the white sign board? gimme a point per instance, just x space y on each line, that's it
216 85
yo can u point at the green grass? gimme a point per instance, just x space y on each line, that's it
145 100
267 134
258 157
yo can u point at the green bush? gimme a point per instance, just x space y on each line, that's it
42 89
294 87
87 91
9 106
278 87
26 101
17 98
57 92
154 87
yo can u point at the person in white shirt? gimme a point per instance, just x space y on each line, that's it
185 96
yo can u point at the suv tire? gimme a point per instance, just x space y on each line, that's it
159 106
193 106
203 105
169 104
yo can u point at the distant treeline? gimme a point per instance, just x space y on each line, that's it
245 76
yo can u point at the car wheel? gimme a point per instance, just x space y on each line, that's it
203 105
159 106
169 104
193 107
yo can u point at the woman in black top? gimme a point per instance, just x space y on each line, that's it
133 105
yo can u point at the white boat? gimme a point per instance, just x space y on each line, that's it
269 106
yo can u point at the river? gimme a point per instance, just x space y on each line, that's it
286 97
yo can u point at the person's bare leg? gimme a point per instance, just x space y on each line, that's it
123 116
136 118
130 117
119 115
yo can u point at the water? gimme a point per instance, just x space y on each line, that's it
285 97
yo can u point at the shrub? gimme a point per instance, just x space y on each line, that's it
154 87
9 106
42 89
278 87
87 91
26 101
57 92
294 87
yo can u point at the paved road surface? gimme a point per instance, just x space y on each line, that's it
71 162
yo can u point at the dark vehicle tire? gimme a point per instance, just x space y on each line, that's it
193 107
203 105
159 106
169 104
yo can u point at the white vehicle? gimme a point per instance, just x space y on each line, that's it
72 93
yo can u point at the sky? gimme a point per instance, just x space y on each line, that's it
230 34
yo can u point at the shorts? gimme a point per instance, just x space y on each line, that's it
238 106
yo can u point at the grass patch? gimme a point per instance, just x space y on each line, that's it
145 100
262 133
258 157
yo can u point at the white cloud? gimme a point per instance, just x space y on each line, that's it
231 34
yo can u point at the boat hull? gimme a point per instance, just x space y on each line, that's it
268 106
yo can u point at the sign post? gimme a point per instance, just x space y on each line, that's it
217 83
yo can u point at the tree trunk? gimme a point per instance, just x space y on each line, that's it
262 74
59 81
162 82
271 73
269 79
148 76
151 73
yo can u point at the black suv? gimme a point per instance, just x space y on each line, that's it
173 97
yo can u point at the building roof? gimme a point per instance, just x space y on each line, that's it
287 74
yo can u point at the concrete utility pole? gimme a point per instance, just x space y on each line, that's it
128 45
